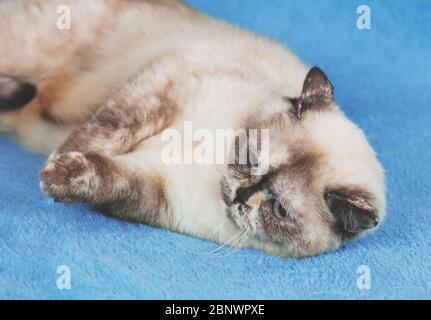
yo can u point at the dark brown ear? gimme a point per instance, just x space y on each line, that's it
351 219
317 92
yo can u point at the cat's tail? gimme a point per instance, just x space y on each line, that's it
14 94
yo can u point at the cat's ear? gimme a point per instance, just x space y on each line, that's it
352 211
317 92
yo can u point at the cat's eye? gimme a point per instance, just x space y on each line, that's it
279 210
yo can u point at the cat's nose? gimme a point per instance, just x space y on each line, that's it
242 195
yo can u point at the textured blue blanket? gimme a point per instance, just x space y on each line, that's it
382 78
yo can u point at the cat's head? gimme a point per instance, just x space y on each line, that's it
324 185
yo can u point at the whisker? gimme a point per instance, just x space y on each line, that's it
235 250
235 247
235 237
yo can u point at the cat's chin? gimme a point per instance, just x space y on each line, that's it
255 240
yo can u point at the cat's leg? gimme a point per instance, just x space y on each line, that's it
141 109
113 185
89 167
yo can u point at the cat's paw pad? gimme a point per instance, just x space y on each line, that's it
67 177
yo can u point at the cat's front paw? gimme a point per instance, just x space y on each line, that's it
67 177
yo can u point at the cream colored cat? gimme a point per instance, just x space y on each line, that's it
98 98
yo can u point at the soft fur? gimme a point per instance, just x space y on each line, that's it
141 67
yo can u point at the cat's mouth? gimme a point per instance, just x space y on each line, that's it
240 215
243 206
242 209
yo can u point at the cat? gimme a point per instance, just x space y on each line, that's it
98 96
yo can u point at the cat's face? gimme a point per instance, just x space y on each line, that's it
324 186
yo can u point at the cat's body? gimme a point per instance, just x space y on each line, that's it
132 69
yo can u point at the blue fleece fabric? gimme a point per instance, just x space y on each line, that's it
382 78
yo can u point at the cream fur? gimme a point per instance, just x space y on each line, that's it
221 75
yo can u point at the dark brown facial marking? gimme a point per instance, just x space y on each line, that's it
243 194
317 93
353 211
303 166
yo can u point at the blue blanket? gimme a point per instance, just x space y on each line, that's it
382 78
